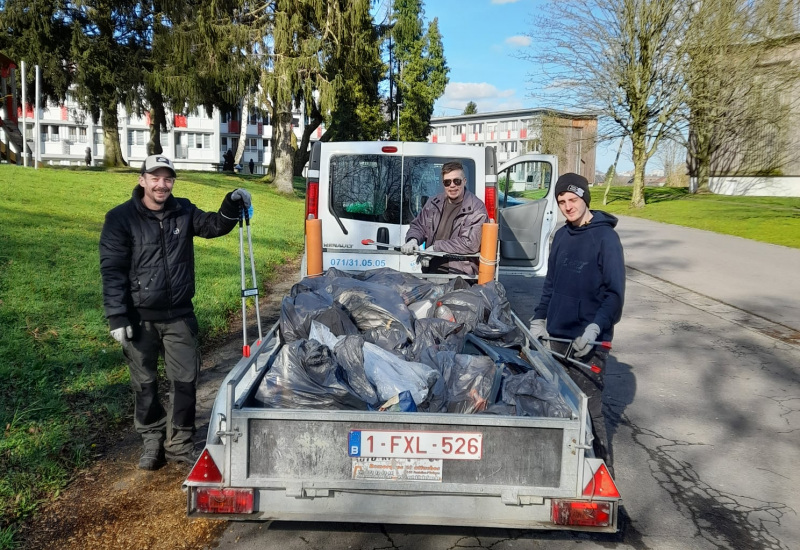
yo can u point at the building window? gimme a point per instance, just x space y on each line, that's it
98 137
477 127
491 127
459 129
441 131
136 137
82 135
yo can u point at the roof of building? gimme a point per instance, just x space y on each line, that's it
516 113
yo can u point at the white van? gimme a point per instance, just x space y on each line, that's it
370 191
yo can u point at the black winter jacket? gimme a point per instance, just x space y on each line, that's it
147 263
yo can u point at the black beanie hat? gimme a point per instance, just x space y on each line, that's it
574 183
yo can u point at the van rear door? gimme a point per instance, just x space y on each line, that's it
527 212
370 192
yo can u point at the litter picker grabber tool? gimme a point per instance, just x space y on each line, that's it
605 345
251 291
567 357
422 251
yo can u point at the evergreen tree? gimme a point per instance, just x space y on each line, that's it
470 109
421 74
316 56
39 36
110 46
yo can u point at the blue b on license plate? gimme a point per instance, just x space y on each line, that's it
408 444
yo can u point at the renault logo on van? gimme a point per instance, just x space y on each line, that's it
337 245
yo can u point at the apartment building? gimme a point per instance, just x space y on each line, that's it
569 135
195 141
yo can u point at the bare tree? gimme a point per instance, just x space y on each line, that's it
672 155
620 58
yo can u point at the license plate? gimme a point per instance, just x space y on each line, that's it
397 444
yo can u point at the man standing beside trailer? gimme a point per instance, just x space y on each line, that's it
147 267
583 295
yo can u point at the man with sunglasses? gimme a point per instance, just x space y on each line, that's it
449 222
147 267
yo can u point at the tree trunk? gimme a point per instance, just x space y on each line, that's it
154 145
273 115
113 151
282 147
303 153
639 165
237 158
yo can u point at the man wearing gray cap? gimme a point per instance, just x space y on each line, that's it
147 268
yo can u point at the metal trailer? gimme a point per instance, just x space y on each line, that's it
434 469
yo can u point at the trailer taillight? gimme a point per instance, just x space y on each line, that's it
205 470
312 199
490 201
582 513
223 501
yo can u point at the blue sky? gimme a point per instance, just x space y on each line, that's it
480 39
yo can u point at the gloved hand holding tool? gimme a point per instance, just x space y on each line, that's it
122 333
538 328
583 344
410 247
243 195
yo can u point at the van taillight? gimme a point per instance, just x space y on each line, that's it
490 201
312 199
223 501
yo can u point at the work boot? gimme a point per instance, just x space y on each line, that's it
187 456
152 458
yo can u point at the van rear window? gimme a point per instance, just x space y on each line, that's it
368 187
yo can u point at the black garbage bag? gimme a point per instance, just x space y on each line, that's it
467 381
349 354
532 395
410 287
298 311
486 312
304 376
437 335
498 324
372 306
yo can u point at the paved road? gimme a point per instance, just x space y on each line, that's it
759 278
704 410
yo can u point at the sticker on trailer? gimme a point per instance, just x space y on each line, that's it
397 444
398 469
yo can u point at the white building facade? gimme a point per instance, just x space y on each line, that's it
195 141
513 133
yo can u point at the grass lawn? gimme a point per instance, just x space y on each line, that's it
774 220
64 382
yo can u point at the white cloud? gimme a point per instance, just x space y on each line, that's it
471 91
504 1
519 41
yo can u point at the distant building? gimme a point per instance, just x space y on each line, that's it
512 133
194 141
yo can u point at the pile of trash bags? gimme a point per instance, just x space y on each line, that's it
386 340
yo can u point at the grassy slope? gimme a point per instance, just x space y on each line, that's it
63 379
774 220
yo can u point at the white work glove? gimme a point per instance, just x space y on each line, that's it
583 344
122 333
538 328
410 247
243 195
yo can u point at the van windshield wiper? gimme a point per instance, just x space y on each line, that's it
339 221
